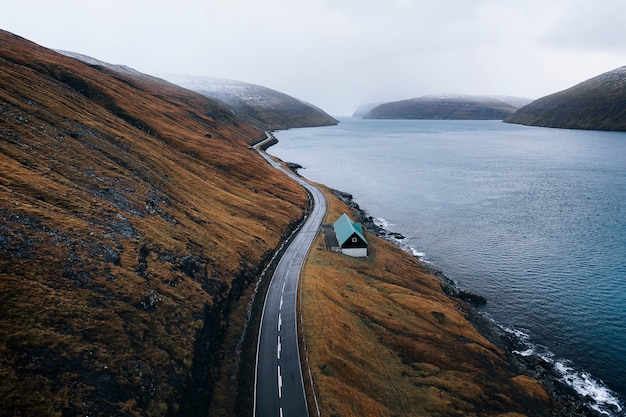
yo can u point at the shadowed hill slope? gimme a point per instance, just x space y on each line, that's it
596 104
133 216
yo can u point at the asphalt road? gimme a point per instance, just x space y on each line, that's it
279 388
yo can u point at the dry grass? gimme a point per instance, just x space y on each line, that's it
384 340
126 237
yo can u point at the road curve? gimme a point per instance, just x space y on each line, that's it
279 387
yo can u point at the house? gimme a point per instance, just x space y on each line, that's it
350 237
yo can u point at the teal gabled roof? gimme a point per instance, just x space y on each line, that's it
345 228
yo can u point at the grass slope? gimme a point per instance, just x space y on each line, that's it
133 217
384 340
595 104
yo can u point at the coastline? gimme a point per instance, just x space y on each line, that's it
565 399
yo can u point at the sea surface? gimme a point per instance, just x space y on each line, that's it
534 219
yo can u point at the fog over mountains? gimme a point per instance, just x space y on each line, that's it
598 103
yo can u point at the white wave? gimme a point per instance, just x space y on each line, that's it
416 253
382 222
598 396
605 401
525 353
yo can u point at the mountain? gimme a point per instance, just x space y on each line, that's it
444 107
266 108
134 223
596 104
136 226
272 109
364 108
96 62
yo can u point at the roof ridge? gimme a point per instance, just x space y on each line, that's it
345 222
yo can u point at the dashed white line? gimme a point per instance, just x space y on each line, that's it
281 412
280 307
280 321
279 347
280 384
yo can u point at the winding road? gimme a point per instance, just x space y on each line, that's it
279 387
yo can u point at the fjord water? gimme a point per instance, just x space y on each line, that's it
534 219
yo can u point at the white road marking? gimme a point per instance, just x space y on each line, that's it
280 321
281 412
280 384
279 348
284 283
280 307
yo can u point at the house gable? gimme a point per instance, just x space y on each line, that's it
350 236
354 241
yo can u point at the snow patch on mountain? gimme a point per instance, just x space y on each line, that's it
232 92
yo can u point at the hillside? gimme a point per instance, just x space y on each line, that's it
260 106
134 222
443 107
272 109
595 104
387 335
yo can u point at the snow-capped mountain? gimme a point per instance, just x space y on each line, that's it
273 109
264 107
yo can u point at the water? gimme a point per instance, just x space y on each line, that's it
534 219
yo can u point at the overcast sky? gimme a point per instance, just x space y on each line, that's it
338 54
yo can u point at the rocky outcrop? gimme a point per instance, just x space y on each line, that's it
596 104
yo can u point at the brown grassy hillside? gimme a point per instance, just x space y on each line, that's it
384 340
132 218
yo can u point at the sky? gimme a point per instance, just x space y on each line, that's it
339 54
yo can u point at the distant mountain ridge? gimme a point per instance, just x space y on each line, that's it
444 107
598 103
266 108
275 110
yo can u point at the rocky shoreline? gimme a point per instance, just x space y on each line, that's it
565 400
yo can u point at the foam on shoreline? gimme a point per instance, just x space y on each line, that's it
596 395
571 387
